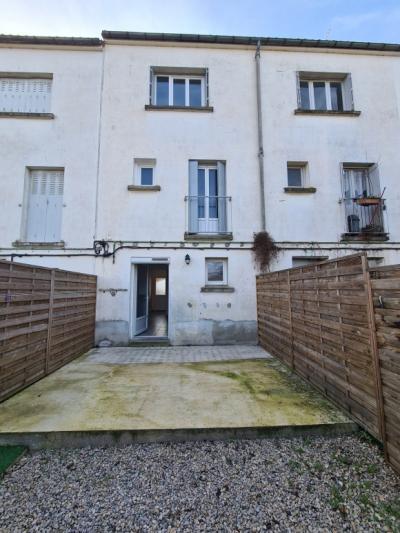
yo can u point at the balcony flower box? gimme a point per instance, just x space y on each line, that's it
370 200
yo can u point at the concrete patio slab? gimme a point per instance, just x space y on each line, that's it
175 354
166 400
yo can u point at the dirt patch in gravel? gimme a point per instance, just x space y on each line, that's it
337 484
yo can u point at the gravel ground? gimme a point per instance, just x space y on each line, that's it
338 484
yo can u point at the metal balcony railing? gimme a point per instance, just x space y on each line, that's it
208 215
364 217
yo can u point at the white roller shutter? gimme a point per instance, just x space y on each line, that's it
25 95
45 206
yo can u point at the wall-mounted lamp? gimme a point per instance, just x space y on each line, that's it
187 259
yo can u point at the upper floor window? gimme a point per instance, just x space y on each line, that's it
179 87
324 92
27 94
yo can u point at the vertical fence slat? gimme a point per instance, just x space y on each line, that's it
51 303
375 356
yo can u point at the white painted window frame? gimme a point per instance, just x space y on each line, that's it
327 83
303 166
140 163
224 262
187 79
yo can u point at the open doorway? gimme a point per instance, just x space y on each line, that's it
150 305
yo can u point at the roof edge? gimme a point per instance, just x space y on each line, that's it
243 40
48 40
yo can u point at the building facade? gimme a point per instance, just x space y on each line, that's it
151 160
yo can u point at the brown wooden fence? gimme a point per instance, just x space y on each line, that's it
47 318
385 283
328 323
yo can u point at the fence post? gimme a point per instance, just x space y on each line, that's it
375 354
290 321
50 321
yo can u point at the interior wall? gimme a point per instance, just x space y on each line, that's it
158 302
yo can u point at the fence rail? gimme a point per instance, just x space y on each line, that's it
47 318
339 329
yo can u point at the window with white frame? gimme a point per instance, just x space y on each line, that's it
296 174
45 202
324 92
144 170
216 271
179 87
25 95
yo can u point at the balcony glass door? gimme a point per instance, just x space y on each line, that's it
207 186
361 216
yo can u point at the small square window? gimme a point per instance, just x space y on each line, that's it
296 174
216 272
144 172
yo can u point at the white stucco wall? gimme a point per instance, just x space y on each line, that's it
69 140
93 106
327 141
128 131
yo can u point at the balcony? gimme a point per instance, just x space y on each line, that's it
208 217
365 219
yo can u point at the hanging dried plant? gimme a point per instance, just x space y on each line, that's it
264 250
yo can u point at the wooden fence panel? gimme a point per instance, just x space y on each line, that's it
385 282
320 320
40 330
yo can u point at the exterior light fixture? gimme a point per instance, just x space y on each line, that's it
187 259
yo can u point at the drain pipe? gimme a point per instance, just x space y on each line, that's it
260 136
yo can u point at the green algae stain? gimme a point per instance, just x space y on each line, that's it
274 388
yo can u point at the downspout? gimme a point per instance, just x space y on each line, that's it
96 212
260 137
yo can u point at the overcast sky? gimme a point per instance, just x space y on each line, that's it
360 20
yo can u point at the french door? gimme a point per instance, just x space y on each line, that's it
142 299
207 186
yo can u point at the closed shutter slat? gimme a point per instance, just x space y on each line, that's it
25 96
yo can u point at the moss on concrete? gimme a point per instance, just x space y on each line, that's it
96 396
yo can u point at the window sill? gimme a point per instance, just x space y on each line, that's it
217 288
14 114
208 236
321 112
42 245
300 190
364 237
203 109
144 188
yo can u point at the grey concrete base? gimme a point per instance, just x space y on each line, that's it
192 333
115 331
210 332
94 439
